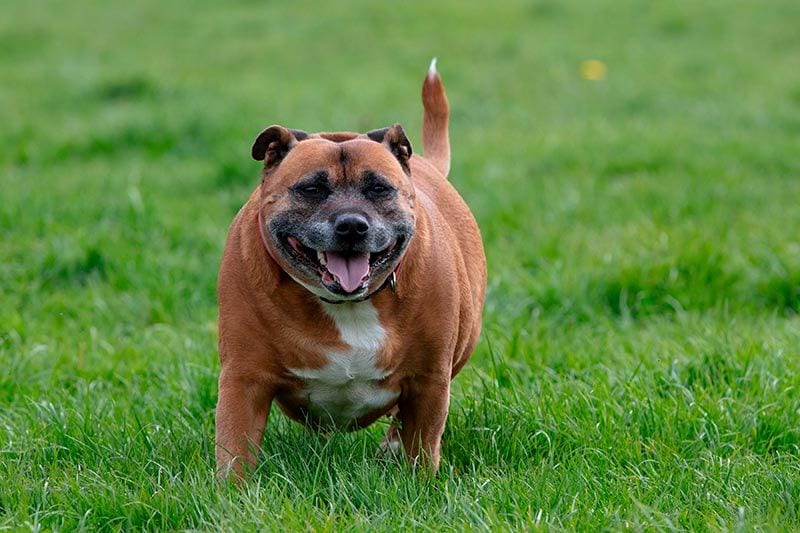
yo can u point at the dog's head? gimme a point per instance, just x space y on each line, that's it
337 208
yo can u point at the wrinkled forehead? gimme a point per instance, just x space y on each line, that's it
344 162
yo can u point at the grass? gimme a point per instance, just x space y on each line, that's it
639 364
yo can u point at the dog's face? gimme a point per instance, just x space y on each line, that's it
337 209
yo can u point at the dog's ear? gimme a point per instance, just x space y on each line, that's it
272 144
394 138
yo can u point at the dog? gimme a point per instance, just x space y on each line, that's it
351 287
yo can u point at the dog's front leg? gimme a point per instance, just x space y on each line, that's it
242 413
423 414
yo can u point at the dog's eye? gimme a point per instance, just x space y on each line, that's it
312 192
377 190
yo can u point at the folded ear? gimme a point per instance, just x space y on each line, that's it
272 144
394 138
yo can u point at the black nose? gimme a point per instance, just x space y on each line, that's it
351 226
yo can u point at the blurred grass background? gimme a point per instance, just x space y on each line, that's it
639 366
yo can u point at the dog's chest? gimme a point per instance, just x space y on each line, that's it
347 387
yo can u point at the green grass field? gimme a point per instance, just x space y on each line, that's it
640 363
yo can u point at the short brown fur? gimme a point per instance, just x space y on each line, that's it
269 323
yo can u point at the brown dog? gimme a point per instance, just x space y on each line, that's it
351 286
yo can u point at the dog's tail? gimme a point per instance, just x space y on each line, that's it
435 139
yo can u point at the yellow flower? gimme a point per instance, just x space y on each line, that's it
593 69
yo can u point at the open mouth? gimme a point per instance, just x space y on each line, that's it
343 272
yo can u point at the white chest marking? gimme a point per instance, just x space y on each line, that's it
347 387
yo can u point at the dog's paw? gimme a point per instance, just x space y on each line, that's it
391 447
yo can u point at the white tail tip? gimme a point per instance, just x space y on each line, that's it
432 69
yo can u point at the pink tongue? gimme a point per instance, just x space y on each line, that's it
349 270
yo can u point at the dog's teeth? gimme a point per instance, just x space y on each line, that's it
321 257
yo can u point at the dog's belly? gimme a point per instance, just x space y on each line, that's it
349 386
337 399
